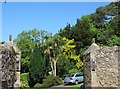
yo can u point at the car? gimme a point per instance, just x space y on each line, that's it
73 78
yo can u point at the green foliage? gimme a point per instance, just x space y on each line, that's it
24 77
73 71
51 81
64 65
25 63
68 50
103 25
38 86
26 41
37 66
114 41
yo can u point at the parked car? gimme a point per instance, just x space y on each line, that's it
73 78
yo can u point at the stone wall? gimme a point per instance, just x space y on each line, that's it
107 67
102 67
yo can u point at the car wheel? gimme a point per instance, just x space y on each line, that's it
76 82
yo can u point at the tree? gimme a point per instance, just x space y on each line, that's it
114 41
26 42
52 51
69 52
64 65
37 66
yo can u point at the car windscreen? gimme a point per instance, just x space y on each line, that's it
81 73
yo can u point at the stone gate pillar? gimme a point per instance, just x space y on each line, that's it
0 70
119 67
90 76
9 65
17 68
17 62
102 67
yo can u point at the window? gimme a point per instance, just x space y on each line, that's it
77 75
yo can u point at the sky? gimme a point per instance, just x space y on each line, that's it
49 16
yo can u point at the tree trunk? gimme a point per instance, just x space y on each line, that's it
52 67
55 68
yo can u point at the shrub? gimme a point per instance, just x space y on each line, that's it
38 86
73 71
24 80
37 67
51 81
